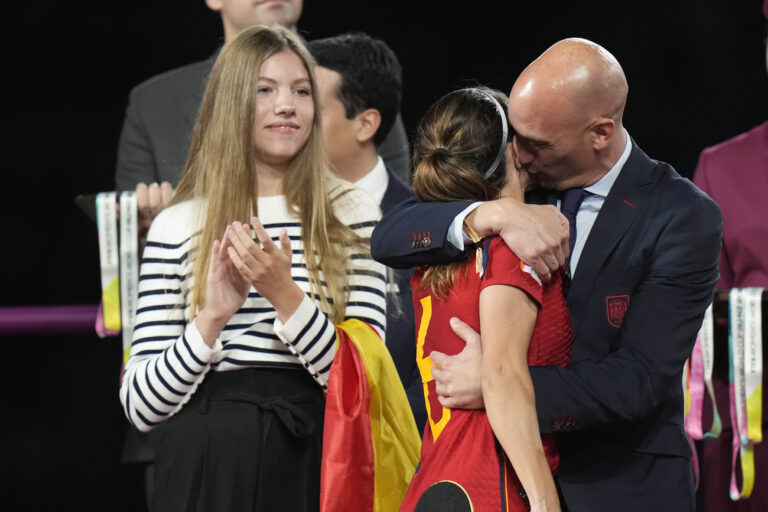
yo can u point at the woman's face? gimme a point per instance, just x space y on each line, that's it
284 109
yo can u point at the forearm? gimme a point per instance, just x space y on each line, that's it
487 219
510 405
158 381
311 337
168 356
400 238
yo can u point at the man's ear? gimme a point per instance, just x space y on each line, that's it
214 5
368 122
602 132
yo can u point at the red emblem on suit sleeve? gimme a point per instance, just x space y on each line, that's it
616 308
423 239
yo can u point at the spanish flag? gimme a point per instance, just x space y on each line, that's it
370 441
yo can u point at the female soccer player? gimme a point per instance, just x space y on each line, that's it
491 459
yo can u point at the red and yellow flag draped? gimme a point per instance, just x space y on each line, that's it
370 441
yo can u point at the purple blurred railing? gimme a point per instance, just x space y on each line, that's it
48 320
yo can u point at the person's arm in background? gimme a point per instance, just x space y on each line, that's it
701 179
135 160
136 168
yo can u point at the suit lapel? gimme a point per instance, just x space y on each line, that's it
624 203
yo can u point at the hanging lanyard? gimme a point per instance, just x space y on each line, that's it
129 268
745 378
108 321
702 363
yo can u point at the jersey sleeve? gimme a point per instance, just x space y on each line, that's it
502 266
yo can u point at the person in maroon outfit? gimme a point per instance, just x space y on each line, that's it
735 174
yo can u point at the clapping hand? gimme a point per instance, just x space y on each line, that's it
265 266
226 291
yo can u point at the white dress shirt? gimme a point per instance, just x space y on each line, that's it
590 206
376 181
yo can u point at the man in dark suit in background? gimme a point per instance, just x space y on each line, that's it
644 265
162 111
359 82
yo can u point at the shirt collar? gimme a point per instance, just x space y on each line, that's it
604 184
376 181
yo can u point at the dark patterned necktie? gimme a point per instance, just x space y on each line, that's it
569 205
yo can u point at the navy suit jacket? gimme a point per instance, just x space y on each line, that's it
401 331
637 299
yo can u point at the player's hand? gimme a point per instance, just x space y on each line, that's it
457 378
537 234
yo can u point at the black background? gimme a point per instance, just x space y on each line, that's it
696 72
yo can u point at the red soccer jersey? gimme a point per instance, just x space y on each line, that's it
461 461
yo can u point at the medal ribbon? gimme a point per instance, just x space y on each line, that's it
108 321
745 383
698 377
129 269
702 363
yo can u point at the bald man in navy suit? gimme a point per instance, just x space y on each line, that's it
643 266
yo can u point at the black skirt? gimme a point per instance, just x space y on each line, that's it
248 440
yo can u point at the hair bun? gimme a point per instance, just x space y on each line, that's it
441 152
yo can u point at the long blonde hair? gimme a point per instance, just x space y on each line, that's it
456 142
221 168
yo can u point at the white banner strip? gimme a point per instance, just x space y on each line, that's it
129 267
106 219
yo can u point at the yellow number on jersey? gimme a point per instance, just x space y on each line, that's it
425 368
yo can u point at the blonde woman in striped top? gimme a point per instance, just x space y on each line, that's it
235 333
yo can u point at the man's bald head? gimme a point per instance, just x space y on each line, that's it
567 105
581 72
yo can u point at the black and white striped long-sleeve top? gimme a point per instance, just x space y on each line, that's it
168 357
